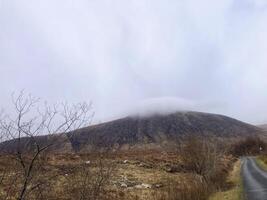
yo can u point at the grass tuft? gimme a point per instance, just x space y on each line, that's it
262 162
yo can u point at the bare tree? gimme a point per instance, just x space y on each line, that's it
89 182
32 130
201 155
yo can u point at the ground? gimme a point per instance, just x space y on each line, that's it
150 175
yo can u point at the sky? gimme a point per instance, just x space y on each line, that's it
138 56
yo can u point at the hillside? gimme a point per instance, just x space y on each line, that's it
139 132
157 130
263 126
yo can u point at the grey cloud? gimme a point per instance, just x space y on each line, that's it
123 54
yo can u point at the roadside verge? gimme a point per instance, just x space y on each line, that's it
234 190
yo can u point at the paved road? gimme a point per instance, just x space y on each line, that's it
254 180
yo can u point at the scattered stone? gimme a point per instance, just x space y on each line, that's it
88 162
172 168
124 185
138 187
125 161
146 186
159 185
145 165
143 186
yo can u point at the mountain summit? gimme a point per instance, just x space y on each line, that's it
133 132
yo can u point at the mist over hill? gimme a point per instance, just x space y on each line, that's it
136 131
153 131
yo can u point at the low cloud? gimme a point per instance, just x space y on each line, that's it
162 105
200 55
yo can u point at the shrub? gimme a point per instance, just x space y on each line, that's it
248 146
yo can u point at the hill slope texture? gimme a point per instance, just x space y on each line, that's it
138 132
158 129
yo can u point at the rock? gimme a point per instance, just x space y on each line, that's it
172 168
143 186
138 187
88 162
130 184
159 185
146 186
127 184
124 182
125 161
124 185
145 165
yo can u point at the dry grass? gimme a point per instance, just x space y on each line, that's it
234 190
65 175
262 161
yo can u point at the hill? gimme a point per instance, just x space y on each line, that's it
139 132
157 130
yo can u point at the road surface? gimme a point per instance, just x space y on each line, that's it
254 180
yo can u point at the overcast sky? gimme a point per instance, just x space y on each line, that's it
135 55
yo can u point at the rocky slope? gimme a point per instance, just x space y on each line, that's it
152 131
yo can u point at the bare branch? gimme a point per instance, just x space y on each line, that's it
29 128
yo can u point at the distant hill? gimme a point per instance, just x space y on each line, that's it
150 131
264 127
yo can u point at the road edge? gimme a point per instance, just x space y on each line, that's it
261 162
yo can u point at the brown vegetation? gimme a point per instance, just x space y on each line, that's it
248 146
107 176
204 157
56 180
32 168
28 172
